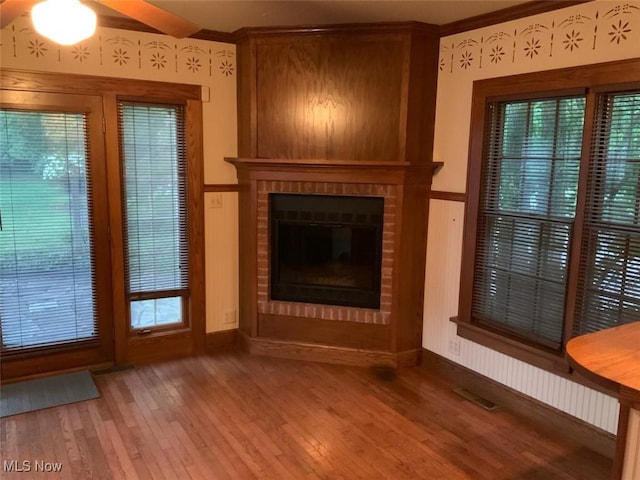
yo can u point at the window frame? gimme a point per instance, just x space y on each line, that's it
589 80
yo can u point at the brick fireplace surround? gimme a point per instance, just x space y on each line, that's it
390 335
326 312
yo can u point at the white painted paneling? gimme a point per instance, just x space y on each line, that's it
443 274
221 260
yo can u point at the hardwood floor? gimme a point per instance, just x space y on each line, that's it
232 415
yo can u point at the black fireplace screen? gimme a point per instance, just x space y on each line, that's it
326 249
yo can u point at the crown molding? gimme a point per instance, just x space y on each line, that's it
528 9
346 28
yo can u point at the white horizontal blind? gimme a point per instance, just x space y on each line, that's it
527 207
47 288
153 152
609 285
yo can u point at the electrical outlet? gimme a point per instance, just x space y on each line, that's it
230 317
215 200
454 347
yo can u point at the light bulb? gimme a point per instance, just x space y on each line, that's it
64 21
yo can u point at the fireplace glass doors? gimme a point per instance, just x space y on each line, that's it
326 249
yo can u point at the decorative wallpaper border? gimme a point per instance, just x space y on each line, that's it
120 52
572 31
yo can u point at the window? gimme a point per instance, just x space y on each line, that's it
153 157
527 208
552 234
609 280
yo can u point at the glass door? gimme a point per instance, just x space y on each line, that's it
54 247
154 186
161 229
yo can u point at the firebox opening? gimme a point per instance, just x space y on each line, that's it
326 249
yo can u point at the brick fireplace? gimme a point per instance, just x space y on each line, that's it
346 111
325 312
390 334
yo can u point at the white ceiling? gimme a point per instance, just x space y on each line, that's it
230 15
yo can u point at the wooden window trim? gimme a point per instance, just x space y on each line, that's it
610 76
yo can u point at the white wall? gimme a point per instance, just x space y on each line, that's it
146 56
594 32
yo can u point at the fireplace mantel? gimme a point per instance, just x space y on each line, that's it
346 170
390 335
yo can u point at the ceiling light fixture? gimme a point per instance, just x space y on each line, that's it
64 21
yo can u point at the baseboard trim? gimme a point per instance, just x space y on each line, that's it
539 413
217 340
326 354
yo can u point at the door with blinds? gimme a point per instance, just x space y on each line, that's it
55 296
156 244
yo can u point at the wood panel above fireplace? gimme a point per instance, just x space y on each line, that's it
364 93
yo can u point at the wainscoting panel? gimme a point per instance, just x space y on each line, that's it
446 220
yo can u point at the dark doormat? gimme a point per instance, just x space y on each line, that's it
46 392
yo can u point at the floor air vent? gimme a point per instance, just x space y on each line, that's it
476 399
